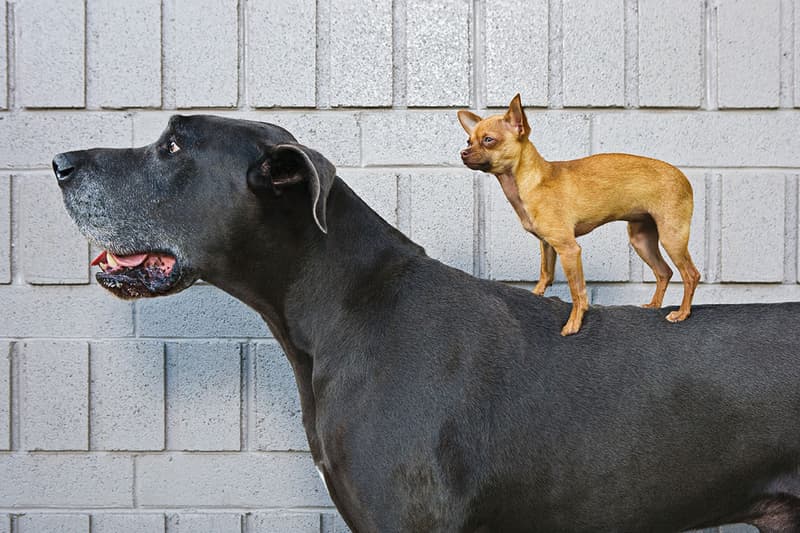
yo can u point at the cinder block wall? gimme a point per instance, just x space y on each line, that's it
180 414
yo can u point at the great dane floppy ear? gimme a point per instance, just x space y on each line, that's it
285 165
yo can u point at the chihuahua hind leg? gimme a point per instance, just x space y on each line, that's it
547 271
644 239
677 247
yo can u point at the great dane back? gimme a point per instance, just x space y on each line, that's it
435 401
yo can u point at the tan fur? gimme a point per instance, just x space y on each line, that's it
560 200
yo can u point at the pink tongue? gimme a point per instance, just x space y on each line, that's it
129 260
124 260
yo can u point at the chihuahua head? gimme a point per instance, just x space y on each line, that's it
495 143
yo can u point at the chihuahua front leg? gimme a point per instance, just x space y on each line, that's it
547 271
570 253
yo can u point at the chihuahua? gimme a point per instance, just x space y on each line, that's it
558 201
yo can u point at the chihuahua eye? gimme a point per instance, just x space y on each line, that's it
488 140
469 142
173 147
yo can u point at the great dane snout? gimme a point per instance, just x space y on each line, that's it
64 167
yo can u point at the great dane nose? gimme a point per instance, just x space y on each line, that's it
63 167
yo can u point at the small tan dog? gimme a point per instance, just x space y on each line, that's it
558 201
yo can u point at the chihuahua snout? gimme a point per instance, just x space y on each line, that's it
465 153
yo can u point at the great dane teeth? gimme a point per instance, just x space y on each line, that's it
112 261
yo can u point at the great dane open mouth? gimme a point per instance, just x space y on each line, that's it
437 402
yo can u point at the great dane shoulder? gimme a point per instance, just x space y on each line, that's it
435 401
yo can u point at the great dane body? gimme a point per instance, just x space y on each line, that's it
437 402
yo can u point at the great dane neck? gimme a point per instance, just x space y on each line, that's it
319 297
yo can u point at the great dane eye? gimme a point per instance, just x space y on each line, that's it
173 147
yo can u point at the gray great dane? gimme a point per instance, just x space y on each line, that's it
437 402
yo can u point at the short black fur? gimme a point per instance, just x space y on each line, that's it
437 402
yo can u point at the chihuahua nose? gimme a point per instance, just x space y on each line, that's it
464 153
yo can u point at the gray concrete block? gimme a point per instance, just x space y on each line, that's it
201 311
751 244
361 53
285 522
128 523
593 53
3 62
378 188
338 525
436 137
441 215
148 125
203 396
5 229
54 411
438 47
702 139
559 136
748 53
250 480
697 235
412 138
706 293
516 54
512 254
207 68
670 53
281 50
124 52
209 523
5 395
278 419
49 46
53 523
82 311
51 248
32 139
335 135
127 395
66 480
797 57
604 253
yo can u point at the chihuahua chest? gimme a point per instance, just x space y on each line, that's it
510 189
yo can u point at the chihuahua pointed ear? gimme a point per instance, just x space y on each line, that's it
468 120
516 117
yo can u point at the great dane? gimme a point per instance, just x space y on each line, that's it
437 402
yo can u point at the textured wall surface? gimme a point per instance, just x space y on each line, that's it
180 414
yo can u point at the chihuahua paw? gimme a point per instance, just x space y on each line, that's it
678 316
650 305
570 328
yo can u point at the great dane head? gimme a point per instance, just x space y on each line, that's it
178 209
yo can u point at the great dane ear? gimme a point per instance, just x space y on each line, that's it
285 165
